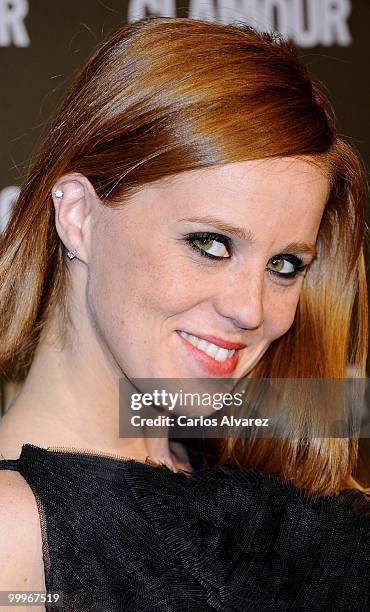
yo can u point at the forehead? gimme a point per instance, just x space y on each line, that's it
249 189
265 176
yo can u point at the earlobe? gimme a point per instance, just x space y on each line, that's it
72 199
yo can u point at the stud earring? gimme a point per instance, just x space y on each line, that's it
72 254
58 193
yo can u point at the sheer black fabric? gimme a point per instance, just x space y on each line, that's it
120 535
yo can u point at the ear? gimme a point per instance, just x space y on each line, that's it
74 201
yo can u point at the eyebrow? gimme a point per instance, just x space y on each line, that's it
297 246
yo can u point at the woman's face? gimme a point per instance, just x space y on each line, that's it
170 282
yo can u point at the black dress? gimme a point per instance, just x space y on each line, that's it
121 535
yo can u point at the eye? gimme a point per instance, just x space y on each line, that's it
286 265
208 244
217 246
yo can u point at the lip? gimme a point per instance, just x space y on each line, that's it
218 341
208 363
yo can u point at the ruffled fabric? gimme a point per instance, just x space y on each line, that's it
120 535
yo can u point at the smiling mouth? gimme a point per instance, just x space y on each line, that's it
215 351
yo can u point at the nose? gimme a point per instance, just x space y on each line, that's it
240 298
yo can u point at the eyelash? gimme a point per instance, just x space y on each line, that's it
192 237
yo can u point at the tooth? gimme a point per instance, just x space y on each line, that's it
202 344
196 341
211 349
217 352
221 354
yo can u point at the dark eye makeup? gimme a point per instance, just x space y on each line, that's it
205 237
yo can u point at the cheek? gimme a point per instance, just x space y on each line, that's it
280 311
166 289
109 284
133 282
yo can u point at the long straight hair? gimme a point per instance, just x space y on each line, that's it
167 95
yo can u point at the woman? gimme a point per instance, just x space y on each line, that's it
192 195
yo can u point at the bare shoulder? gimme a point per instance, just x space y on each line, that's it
21 560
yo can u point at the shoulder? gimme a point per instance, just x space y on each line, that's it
21 561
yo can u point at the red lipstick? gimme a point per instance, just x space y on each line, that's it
220 342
